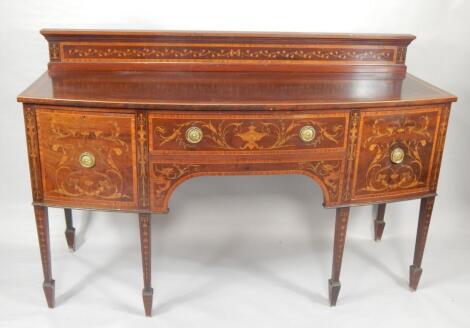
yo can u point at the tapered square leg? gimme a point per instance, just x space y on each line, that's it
42 225
147 296
333 291
425 213
69 230
49 292
145 242
334 285
415 275
379 223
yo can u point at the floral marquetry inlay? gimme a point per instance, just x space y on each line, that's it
251 135
174 51
328 172
142 155
352 144
64 137
165 174
33 151
54 51
165 177
382 136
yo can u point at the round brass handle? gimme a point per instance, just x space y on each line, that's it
307 133
87 160
194 134
397 155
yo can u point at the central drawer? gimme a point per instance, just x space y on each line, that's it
247 132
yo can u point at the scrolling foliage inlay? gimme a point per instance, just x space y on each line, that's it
155 52
328 172
165 176
64 136
414 133
252 135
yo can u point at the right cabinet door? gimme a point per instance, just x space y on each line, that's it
395 153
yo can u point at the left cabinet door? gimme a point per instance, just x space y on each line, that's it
88 158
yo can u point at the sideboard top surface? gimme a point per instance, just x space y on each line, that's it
228 90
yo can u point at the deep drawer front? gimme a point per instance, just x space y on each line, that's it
87 159
204 132
395 152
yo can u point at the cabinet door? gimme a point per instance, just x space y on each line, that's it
87 158
395 153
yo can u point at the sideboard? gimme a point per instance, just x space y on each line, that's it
121 118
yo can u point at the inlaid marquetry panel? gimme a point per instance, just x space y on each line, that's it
88 159
155 52
244 133
33 151
415 132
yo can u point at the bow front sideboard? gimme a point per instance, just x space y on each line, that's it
121 118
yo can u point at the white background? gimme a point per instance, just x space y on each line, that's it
249 251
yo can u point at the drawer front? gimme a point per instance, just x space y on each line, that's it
87 158
395 153
244 133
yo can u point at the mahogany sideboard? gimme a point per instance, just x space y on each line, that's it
121 118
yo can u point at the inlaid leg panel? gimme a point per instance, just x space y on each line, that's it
425 212
42 224
334 285
69 230
145 242
379 223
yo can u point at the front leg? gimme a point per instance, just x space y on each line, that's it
69 230
145 242
425 212
334 285
42 225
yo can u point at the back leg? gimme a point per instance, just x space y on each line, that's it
70 230
379 223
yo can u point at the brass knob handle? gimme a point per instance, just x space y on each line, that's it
87 160
397 155
194 135
307 133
